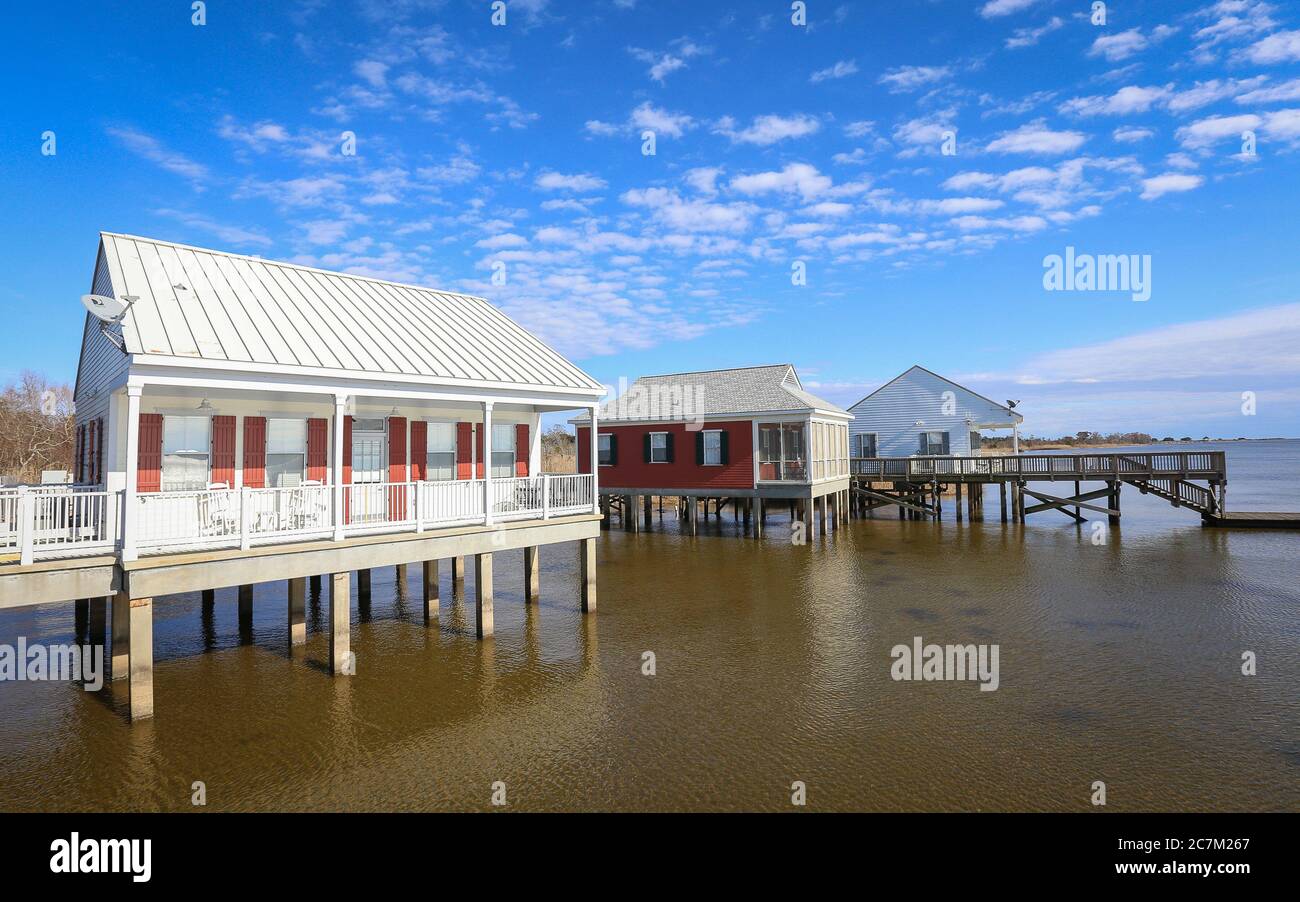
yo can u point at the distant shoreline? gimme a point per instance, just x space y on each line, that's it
1031 445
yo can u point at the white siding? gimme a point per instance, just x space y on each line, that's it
893 411
101 366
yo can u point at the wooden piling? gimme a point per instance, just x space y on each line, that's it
533 570
483 619
430 581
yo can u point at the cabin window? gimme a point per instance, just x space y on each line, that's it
603 449
440 451
659 447
712 448
286 453
865 444
503 451
186 445
934 443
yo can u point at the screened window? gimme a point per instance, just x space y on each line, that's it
186 444
659 447
603 449
286 453
440 451
712 448
782 452
503 451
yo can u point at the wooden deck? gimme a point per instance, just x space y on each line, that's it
1257 520
1193 479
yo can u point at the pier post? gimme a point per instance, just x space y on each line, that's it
81 618
691 514
957 488
1114 503
97 620
645 501
759 514
1078 512
363 585
340 622
483 594
315 584
430 591
1020 499
587 574
140 640
748 513
458 569
245 607
805 509
533 567
1002 499
298 611
821 516
121 636
209 598
401 574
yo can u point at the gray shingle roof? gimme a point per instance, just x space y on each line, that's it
713 393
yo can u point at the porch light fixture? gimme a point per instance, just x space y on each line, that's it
205 405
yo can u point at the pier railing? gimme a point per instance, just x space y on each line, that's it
1167 464
39 524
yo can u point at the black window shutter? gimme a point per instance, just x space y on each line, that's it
645 447
945 444
699 448
668 441
613 449
925 443
724 450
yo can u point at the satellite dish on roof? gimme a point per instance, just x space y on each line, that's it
104 308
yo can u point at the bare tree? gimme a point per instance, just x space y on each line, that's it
37 428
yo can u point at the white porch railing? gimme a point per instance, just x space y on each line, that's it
69 522
58 521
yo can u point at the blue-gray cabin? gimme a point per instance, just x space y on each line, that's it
922 413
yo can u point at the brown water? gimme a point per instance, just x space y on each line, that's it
1119 662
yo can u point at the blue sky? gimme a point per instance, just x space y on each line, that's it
775 143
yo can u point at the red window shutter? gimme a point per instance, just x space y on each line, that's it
255 452
76 458
419 450
149 455
464 436
397 449
347 450
521 449
318 443
90 452
223 450
481 466
99 451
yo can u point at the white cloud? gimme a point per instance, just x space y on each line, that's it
152 149
690 215
664 63
795 177
1118 47
1279 93
1205 132
1204 93
995 8
1037 138
1129 134
555 181
842 69
661 121
1170 183
1281 47
770 129
1028 37
1124 102
909 78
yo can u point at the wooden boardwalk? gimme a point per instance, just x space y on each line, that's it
1196 480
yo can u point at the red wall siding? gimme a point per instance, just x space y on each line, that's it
631 471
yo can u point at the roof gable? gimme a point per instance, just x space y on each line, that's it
915 368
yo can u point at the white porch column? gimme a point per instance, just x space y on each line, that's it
132 463
595 463
487 463
336 461
1015 438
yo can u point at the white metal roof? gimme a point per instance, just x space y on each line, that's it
205 304
712 393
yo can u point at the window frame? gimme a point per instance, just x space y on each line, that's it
191 454
604 449
706 433
432 428
664 448
929 452
493 452
302 470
